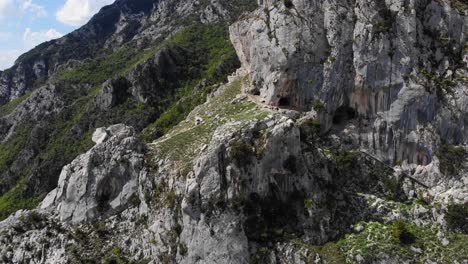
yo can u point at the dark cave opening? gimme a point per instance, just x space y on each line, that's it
284 101
343 114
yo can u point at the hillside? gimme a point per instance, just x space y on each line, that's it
282 131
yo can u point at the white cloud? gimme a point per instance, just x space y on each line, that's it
8 57
13 8
7 8
78 12
30 40
29 6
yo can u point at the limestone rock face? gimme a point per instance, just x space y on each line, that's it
101 181
393 64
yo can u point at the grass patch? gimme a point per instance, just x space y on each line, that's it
378 237
17 199
12 148
11 106
185 140
330 252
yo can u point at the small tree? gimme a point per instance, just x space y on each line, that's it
241 153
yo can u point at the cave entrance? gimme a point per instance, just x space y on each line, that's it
284 101
343 114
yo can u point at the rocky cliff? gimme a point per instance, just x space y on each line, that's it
340 138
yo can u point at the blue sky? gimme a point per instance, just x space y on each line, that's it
26 23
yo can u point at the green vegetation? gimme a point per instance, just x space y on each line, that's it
392 187
308 204
261 256
9 107
185 140
32 218
241 153
310 130
330 252
213 58
96 71
457 217
183 249
460 5
347 160
401 234
451 159
11 149
16 199
386 24
318 106
376 236
422 201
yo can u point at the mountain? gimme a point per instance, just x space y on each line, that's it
282 131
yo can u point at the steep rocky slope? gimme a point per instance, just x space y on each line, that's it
177 47
341 138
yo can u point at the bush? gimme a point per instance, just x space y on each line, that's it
310 130
347 160
421 200
241 153
457 217
392 187
318 106
451 159
308 204
182 249
401 234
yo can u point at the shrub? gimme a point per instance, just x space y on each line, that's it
392 187
171 199
72 249
182 249
401 234
457 217
308 204
241 153
310 130
318 106
421 200
347 160
451 159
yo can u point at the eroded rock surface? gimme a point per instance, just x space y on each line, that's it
102 181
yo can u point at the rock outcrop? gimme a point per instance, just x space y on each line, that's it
400 66
102 181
